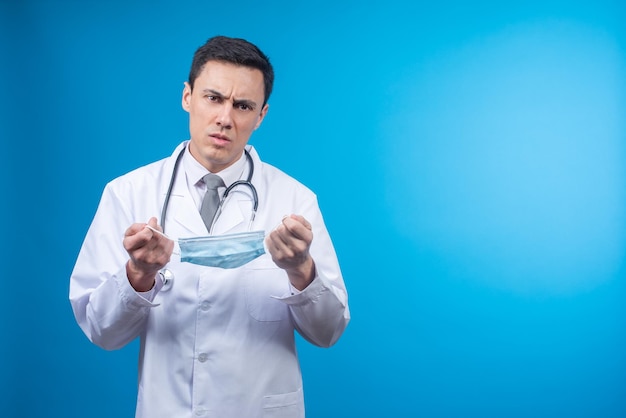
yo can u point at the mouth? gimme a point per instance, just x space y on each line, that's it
219 139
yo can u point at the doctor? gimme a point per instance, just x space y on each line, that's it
215 342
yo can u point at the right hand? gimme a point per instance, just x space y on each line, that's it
149 252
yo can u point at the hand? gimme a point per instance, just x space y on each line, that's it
149 252
289 244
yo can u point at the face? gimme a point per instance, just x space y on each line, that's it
225 107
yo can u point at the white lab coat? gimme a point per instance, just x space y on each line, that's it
214 342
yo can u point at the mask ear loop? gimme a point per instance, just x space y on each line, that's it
163 235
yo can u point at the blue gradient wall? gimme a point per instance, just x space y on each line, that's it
470 160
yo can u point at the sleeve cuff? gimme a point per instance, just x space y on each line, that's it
134 298
300 297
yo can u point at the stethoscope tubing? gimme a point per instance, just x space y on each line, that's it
247 183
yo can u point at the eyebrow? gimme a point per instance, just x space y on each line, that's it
247 102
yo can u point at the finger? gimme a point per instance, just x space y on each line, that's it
138 240
298 229
154 224
280 252
275 238
134 229
287 246
159 242
155 252
284 234
159 233
302 220
138 236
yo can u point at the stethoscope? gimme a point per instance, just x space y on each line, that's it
247 183
167 276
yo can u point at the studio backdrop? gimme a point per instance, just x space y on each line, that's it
469 159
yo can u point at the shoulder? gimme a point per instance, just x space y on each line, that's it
144 174
277 180
147 177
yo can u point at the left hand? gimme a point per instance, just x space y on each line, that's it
289 244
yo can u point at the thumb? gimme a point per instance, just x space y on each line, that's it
153 223
302 220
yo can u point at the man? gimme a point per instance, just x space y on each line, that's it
215 341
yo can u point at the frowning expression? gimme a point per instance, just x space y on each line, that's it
225 106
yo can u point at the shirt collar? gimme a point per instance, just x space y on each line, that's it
196 171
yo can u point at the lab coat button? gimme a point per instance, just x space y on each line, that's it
200 412
203 357
205 306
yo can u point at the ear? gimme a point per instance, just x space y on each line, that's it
262 116
186 101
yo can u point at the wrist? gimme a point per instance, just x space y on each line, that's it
138 279
301 276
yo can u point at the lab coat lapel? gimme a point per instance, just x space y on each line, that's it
183 218
230 217
186 219
237 208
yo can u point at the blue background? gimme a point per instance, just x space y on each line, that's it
469 158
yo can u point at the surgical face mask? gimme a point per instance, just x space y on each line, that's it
226 251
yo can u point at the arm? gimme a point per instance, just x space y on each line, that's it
289 245
148 252
320 310
106 306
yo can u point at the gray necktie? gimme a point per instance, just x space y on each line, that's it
211 199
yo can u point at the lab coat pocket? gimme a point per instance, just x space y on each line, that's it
263 282
284 405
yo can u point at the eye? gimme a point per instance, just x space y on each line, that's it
212 98
244 106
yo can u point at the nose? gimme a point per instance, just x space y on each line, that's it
224 117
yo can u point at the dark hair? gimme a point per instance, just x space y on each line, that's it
235 51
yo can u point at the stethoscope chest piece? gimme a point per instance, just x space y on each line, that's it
167 277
